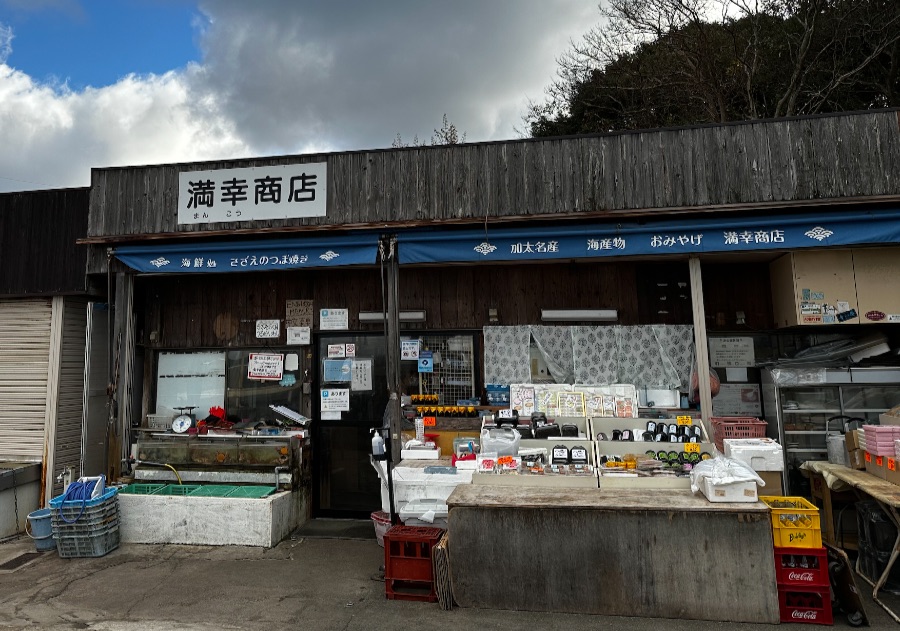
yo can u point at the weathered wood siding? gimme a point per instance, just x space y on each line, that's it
780 162
183 310
38 235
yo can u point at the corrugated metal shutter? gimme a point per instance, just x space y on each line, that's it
24 362
71 390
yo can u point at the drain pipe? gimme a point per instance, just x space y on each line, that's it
135 461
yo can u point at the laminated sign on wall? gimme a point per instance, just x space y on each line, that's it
265 366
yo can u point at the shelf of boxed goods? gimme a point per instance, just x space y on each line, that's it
575 476
671 476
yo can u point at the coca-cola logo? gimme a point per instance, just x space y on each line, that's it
800 576
804 615
875 316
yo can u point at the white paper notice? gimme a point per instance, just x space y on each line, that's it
350 350
334 400
737 399
409 349
361 376
298 335
735 352
334 319
336 350
268 366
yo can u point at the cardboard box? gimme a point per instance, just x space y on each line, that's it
887 419
875 465
773 483
734 492
857 459
852 438
892 470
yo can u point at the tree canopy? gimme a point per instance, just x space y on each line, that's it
659 63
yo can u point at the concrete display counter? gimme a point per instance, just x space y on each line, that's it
653 553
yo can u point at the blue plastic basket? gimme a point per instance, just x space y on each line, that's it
57 502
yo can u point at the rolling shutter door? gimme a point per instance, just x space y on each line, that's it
24 362
71 391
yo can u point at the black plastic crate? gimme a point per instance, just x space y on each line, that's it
872 564
875 529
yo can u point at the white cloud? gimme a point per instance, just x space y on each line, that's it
290 77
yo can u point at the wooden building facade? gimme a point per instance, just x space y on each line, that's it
754 171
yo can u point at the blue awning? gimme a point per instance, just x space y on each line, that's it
545 241
252 255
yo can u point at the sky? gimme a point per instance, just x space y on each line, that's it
100 83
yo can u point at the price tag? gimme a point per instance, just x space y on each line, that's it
868 457
429 421
505 414
879 461
692 448
892 464
504 460
684 420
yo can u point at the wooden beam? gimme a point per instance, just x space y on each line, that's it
701 351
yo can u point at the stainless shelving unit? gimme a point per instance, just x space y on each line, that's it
802 412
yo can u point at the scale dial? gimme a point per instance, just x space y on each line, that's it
182 423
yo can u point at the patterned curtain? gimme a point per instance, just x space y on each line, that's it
595 356
506 354
677 344
555 345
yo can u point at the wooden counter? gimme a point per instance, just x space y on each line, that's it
652 553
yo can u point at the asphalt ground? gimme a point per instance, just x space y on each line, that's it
307 582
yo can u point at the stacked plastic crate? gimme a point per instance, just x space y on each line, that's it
86 528
801 563
408 567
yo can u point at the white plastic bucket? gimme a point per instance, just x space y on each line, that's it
39 528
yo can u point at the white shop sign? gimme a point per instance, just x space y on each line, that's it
252 194
334 319
731 352
267 366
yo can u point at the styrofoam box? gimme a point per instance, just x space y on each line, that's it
412 484
420 454
761 454
734 492
413 513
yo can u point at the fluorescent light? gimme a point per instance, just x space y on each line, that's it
579 315
378 316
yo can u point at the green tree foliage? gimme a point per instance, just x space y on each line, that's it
658 63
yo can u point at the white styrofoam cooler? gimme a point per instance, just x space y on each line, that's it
761 454
424 513
733 492
412 483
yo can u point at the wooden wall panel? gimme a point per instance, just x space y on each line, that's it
786 161
193 311
39 253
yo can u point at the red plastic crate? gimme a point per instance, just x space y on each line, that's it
808 605
410 590
736 427
408 570
801 567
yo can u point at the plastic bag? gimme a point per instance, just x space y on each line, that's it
502 440
722 470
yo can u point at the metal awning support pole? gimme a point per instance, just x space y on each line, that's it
390 307
700 346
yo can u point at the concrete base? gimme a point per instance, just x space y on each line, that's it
211 521
20 492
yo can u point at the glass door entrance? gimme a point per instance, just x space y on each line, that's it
350 399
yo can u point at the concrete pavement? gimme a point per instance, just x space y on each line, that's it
313 583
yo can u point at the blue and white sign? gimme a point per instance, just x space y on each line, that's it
426 362
251 194
332 400
544 241
251 256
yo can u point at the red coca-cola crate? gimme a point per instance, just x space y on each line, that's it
801 567
809 605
